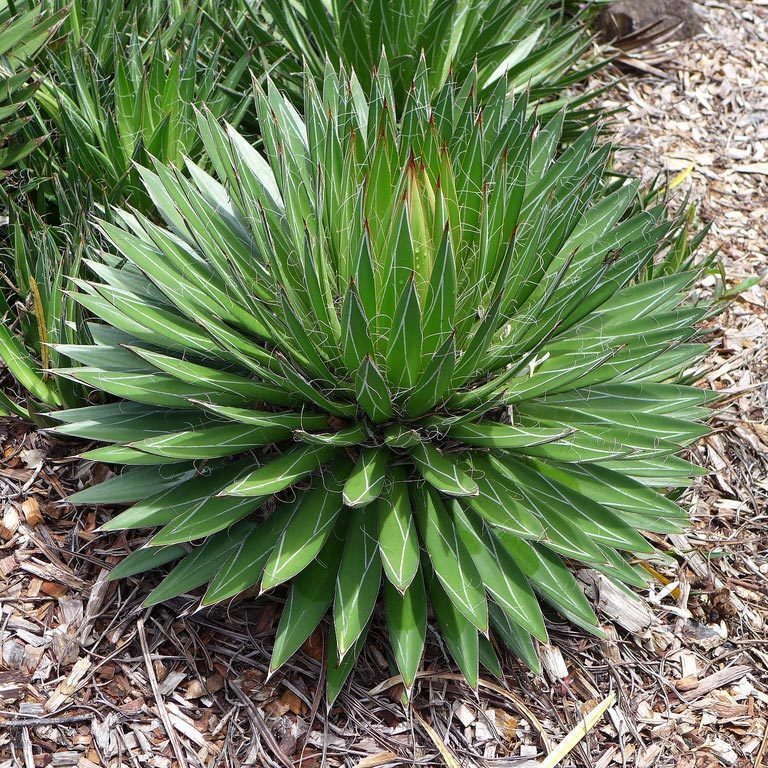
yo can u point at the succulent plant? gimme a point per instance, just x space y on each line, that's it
532 45
38 313
106 120
23 33
401 355
90 88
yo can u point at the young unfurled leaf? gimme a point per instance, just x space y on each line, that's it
404 352
355 338
440 306
435 380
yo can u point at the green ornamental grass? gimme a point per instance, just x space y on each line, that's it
107 118
399 356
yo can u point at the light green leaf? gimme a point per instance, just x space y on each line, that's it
500 503
636 503
125 422
519 641
366 479
200 564
596 522
398 539
244 565
489 659
548 575
146 559
617 568
212 442
434 383
357 584
338 669
311 594
355 338
280 473
372 393
216 380
298 420
407 625
134 484
450 559
149 388
440 305
304 535
460 635
404 352
502 578
344 438
24 368
401 437
190 504
486 434
443 472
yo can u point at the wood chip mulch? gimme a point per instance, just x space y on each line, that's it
88 677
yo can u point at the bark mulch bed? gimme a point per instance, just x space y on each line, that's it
89 677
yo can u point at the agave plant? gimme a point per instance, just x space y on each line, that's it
531 44
22 34
141 107
113 88
37 314
97 25
105 28
401 357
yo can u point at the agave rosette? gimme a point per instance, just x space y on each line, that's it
23 34
531 44
138 107
391 355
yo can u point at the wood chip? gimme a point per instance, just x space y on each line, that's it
33 515
69 686
717 680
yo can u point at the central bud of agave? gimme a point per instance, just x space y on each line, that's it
312 366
